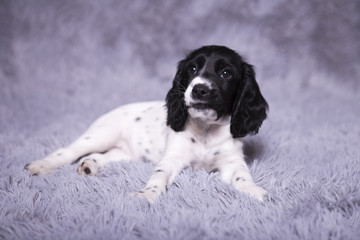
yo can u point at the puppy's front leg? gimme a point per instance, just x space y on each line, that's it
237 173
164 174
176 157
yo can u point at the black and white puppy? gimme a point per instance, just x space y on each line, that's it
214 102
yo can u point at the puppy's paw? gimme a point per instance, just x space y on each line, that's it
49 163
149 193
40 167
88 167
255 191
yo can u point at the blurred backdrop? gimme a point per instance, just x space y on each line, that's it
63 57
63 63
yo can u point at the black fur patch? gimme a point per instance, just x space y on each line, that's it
87 170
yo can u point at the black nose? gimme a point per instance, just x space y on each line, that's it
200 92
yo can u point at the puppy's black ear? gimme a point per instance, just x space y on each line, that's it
250 107
175 103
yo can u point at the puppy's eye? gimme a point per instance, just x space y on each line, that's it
193 69
226 74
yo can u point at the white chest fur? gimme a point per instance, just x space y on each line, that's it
209 145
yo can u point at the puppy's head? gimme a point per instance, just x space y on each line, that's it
213 82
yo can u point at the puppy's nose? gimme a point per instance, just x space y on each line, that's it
200 91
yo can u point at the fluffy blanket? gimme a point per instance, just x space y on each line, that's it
64 63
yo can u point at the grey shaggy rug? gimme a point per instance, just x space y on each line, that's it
64 63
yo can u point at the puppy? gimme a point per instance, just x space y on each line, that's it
214 102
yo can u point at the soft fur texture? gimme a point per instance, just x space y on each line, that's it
64 63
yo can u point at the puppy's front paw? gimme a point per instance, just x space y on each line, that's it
88 166
255 191
149 193
39 167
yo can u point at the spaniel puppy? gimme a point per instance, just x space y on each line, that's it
214 102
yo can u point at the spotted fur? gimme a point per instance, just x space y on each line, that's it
214 101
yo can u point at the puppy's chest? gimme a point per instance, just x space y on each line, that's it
206 154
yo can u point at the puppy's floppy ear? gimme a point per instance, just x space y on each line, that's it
250 107
175 103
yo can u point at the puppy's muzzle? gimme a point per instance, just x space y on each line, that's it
200 92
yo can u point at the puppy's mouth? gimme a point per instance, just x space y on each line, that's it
203 111
199 106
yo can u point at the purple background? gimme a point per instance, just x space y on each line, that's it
64 63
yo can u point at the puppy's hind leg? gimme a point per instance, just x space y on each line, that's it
95 140
90 165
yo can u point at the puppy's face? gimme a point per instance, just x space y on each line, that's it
212 82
